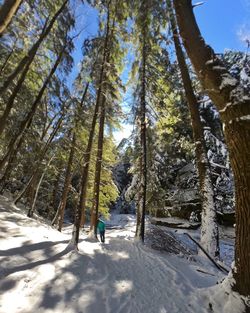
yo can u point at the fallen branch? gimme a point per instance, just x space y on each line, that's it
220 267
199 270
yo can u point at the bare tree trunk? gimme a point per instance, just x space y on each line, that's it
61 208
138 218
7 11
143 142
234 107
98 168
32 188
141 208
29 116
209 227
80 210
66 186
52 202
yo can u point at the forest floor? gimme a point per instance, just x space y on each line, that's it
39 272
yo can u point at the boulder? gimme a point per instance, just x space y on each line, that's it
187 168
185 195
184 210
175 223
164 212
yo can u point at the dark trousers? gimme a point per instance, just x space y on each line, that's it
102 236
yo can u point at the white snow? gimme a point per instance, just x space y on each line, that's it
242 118
246 117
40 273
227 81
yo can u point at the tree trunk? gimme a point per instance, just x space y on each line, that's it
209 227
80 210
66 186
32 188
234 107
98 168
143 143
141 208
29 116
52 202
7 11
61 208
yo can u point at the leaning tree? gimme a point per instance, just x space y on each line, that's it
233 103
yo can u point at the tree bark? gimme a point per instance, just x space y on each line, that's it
52 200
143 143
98 168
234 107
59 217
61 208
80 210
141 208
209 227
67 181
29 116
7 11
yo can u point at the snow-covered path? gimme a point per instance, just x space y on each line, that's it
39 274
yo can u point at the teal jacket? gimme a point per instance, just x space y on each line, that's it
101 225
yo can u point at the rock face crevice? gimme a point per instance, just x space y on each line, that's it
184 200
122 178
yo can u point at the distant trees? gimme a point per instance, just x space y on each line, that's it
35 84
147 18
23 68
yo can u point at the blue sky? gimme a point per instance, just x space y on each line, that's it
224 24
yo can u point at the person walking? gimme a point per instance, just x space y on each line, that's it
101 228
